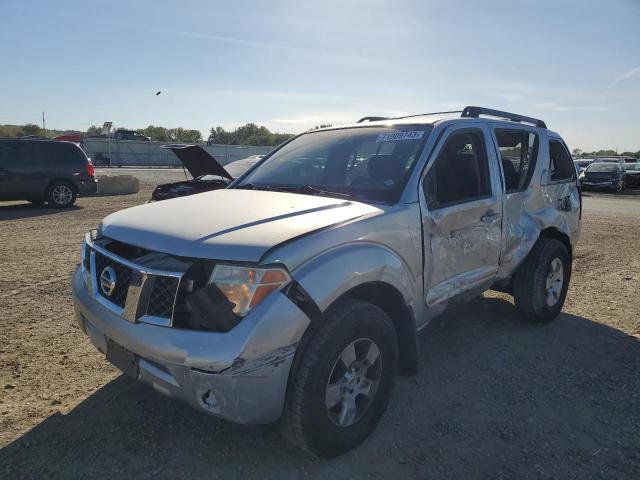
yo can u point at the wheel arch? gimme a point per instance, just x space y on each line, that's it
383 295
391 302
552 232
370 272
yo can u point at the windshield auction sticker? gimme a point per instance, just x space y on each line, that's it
394 137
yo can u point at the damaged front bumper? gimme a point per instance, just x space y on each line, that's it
240 375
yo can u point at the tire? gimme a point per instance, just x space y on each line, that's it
619 187
61 194
538 293
319 378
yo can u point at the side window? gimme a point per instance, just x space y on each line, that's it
518 151
60 154
460 173
16 155
560 164
6 155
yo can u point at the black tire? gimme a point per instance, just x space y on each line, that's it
619 187
61 194
530 292
307 422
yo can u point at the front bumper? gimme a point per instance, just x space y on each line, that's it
240 375
612 184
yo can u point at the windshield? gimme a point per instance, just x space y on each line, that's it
602 167
632 166
364 163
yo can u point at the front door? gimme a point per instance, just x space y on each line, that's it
461 204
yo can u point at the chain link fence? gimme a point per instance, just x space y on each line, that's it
133 153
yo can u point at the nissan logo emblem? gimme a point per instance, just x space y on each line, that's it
108 281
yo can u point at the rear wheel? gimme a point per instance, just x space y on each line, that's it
540 284
342 383
61 194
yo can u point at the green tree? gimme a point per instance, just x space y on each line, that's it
31 129
185 136
92 131
249 134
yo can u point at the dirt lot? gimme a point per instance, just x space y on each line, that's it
495 398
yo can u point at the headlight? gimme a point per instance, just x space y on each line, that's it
246 287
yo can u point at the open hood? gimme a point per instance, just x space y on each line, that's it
229 224
197 160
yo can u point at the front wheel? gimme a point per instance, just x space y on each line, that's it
620 186
61 194
540 284
343 380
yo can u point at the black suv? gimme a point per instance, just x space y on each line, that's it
44 171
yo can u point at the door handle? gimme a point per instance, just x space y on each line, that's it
489 216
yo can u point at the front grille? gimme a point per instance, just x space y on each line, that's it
123 278
162 296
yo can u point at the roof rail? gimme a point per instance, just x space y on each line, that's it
427 114
372 119
475 112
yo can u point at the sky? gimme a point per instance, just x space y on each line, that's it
294 64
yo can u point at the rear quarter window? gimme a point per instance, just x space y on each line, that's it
64 155
560 164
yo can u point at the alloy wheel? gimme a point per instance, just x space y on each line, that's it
62 195
353 382
555 280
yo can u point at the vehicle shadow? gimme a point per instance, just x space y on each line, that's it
17 211
495 398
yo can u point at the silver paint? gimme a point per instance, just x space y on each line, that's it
329 246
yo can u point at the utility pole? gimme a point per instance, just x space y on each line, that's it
43 125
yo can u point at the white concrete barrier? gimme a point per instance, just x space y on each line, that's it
118 185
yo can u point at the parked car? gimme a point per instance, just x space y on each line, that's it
620 160
207 173
632 174
297 293
582 164
44 171
603 176
122 134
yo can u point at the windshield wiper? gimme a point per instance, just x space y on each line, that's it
314 191
304 189
254 186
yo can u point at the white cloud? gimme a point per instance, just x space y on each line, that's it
308 121
625 76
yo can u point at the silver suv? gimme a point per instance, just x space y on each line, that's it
296 295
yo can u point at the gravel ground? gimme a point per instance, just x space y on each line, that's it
495 397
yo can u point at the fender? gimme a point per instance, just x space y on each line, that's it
327 276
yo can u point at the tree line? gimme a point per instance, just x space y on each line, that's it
249 134
603 153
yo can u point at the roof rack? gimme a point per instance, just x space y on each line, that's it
375 119
426 114
475 112
372 119
469 112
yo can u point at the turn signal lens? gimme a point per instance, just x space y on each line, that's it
246 287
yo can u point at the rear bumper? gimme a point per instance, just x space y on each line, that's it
87 186
240 375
